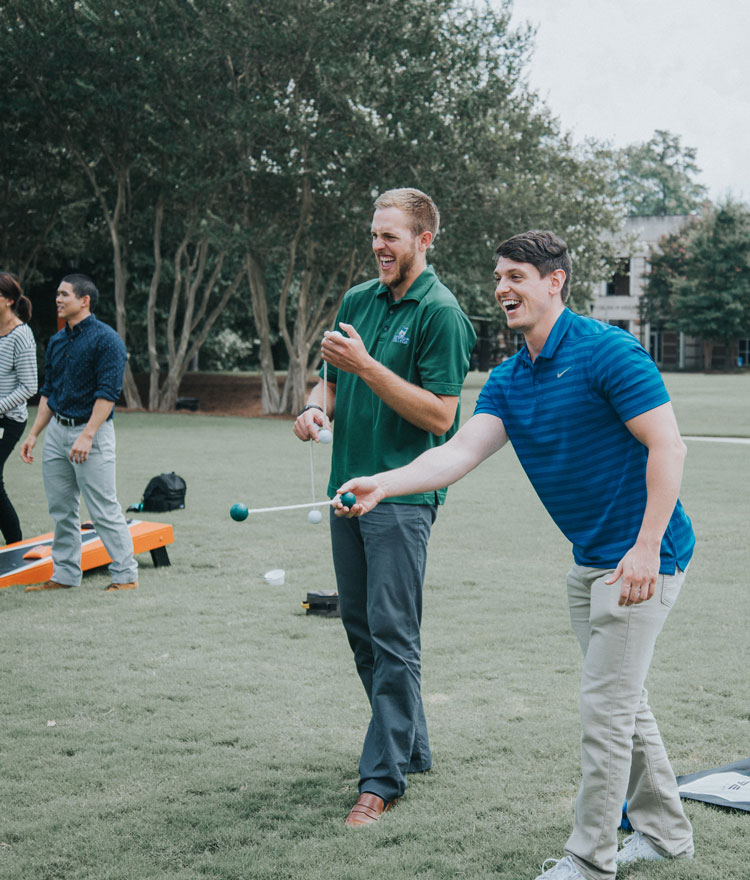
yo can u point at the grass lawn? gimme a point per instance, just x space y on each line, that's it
204 727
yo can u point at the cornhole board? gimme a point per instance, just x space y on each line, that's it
30 561
727 786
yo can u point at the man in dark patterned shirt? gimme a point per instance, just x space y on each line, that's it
84 368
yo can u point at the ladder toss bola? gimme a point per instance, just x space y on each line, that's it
240 512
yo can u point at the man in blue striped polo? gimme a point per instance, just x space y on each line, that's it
590 419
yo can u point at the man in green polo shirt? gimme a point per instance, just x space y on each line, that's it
396 364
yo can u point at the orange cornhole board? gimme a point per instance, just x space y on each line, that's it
30 561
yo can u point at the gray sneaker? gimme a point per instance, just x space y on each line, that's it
636 848
562 869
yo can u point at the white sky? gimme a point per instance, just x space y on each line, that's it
616 70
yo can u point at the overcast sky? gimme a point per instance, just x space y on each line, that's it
616 70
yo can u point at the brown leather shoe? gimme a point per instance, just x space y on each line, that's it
368 809
112 587
48 585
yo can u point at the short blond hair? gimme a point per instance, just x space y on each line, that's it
422 211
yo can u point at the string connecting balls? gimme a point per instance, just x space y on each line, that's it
238 512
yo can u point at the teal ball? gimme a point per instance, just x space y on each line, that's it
238 512
348 499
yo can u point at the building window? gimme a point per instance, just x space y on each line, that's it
623 325
656 346
620 283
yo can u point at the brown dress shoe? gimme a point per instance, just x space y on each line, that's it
48 585
368 809
112 587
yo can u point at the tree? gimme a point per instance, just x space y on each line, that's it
38 200
667 266
657 177
700 279
232 146
443 108
117 89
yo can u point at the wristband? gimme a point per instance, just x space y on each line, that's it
308 406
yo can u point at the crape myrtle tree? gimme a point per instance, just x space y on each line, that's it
352 108
54 50
235 146
117 89
700 279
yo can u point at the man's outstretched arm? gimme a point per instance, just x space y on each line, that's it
482 435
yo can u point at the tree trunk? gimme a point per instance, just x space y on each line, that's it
732 350
196 322
170 389
153 290
270 397
708 353
295 386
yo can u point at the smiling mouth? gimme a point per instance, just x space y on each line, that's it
510 305
386 262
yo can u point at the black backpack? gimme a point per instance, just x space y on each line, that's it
165 492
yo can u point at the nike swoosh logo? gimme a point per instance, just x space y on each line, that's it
563 372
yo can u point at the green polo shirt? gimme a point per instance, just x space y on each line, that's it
426 339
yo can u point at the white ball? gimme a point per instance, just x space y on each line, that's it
314 517
325 436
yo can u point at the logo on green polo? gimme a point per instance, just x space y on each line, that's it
401 336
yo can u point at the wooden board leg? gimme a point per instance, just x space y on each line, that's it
160 557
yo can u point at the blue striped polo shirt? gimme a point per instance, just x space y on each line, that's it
564 415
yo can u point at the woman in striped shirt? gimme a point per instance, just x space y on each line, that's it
18 382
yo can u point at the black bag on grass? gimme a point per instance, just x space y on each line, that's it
165 492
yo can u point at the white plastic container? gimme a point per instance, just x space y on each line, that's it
275 577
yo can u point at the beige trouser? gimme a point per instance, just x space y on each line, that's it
622 754
94 479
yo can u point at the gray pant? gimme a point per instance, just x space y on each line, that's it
380 561
622 754
64 483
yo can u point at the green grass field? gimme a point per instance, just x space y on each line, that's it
204 727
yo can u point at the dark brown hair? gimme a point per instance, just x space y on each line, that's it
11 289
543 250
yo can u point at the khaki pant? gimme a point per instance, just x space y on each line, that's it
622 754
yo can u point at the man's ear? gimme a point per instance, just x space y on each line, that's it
556 281
425 240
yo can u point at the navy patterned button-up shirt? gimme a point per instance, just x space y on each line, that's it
81 365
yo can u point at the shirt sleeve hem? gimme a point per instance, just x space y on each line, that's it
444 388
639 410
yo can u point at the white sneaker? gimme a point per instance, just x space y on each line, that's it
562 869
636 848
